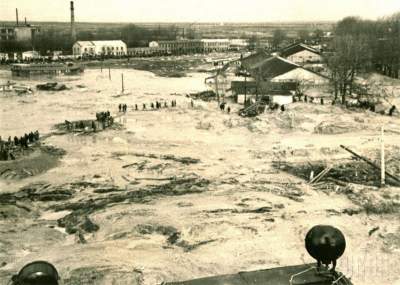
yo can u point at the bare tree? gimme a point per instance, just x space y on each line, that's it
278 37
351 55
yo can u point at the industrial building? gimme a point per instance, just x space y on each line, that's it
18 32
99 48
22 34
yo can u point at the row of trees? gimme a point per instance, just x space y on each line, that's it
281 38
362 46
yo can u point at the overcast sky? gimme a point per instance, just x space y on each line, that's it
196 10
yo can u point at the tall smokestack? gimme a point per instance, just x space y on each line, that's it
25 22
16 14
73 32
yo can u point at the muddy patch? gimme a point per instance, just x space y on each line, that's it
183 160
37 160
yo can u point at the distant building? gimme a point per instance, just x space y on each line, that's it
154 44
211 45
98 48
238 44
301 54
17 38
3 56
144 51
27 55
18 32
179 46
183 46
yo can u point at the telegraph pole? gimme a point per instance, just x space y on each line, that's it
216 86
382 158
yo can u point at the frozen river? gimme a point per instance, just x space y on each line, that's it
89 93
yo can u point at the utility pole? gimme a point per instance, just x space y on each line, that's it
382 158
245 90
216 86
122 77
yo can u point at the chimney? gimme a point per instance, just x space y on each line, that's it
73 32
25 22
16 14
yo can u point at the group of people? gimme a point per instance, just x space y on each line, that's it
153 106
299 98
103 118
222 107
122 108
7 147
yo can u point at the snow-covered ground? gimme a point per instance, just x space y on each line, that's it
245 218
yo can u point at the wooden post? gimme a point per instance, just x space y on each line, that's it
311 175
122 76
216 86
370 163
382 158
245 89
109 73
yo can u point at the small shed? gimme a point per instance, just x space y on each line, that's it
281 99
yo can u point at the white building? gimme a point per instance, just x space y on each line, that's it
3 56
92 48
30 55
154 44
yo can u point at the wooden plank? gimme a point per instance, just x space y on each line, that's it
370 163
321 174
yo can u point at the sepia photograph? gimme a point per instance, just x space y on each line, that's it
199 142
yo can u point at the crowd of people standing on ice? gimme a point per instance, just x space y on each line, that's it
9 146
122 108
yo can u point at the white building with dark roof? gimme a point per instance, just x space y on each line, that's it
93 48
301 54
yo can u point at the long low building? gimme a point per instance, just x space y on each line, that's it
192 46
98 48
